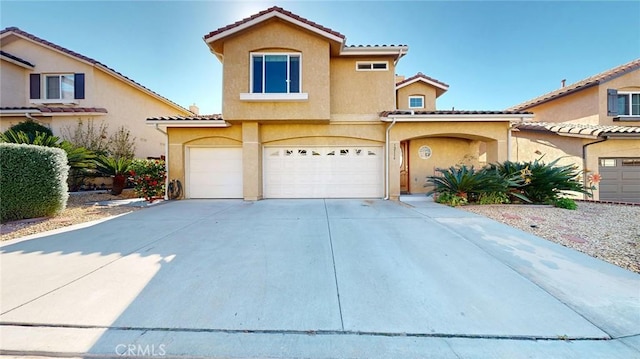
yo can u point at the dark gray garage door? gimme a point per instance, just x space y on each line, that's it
620 179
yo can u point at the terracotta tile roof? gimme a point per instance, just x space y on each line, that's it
53 109
580 129
373 46
16 58
454 112
580 85
419 76
201 118
88 59
272 9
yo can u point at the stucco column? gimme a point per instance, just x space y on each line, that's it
251 161
394 169
497 151
175 159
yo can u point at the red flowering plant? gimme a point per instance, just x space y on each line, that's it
148 177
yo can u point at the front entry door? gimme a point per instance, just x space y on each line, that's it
404 167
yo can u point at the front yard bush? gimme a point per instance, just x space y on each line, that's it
149 177
33 181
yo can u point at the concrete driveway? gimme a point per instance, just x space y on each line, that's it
312 278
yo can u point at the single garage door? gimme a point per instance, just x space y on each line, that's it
214 172
620 179
323 172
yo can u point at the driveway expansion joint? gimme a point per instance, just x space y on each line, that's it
333 260
559 338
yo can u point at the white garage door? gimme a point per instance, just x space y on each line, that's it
323 172
214 172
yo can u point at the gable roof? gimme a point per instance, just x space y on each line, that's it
16 60
581 85
440 86
30 37
582 130
288 16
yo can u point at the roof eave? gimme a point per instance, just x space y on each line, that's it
444 88
16 62
187 123
399 51
457 118
268 16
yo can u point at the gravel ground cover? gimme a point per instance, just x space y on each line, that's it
81 207
606 231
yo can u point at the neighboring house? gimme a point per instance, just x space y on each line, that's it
58 87
306 116
594 124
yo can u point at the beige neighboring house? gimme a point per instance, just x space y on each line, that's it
594 124
307 116
58 87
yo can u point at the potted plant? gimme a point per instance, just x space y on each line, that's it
118 168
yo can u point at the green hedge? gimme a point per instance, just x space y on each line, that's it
33 181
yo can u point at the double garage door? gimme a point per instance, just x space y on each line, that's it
620 179
289 172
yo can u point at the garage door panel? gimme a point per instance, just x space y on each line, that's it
322 172
215 173
620 179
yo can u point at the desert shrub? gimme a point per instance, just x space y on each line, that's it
88 135
540 182
451 199
466 182
33 181
122 144
149 177
566 203
493 198
30 128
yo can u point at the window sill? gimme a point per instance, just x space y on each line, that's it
627 118
53 102
274 97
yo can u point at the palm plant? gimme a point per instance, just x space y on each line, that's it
463 181
118 168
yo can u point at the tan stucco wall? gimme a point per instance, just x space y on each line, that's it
126 105
416 89
357 93
446 152
578 107
12 85
276 36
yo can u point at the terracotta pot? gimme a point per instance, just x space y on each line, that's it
119 182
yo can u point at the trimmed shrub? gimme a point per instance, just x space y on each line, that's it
31 128
33 181
566 203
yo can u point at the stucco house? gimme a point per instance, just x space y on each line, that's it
593 124
58 87
306 116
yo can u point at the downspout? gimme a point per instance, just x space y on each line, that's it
27 115
584 162
386 161
509 143
166 161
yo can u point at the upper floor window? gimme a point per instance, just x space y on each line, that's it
628 104
275 73
372 65
416 101
58 88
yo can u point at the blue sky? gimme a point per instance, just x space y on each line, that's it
492 54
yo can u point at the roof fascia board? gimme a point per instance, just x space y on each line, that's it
432 83
186 123
456 118
373 51
268 16
15 62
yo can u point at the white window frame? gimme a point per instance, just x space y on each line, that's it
421 97
628 94
45 94
371 65
273 97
